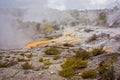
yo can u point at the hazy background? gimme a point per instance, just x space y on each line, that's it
10 34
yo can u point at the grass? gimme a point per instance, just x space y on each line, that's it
82 54
80 64
3 64
89 74
47 63
52 51
69 62
21 59
70 65
48 28
68 72
27 65
97 51
102 17
41 59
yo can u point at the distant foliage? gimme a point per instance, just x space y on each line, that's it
102 17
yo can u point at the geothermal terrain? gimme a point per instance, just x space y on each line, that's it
61 45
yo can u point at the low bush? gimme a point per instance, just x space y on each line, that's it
74 63
41 59
69 62
89 74
21 59
27 65
3 64
97 51
68 72
47 63
82 54
52 51
79 64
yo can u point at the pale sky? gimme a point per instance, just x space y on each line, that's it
59 4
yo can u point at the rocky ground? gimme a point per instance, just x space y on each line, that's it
11 61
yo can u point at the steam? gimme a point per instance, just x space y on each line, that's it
113 18
10 35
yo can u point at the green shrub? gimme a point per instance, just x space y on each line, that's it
79 64
97 51
89 74
82 54
74 63
68 72
52 51
27 65
41 59
21 59
3 64
102 17
69 62
47 63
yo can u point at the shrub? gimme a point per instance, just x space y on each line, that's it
68 72
97 51
41 59
89 74
82 54
69 62
92 38
74 63
21 59
52 51
47 63
79 64
7 63
3 64
27 65
102 17
48 28
56 57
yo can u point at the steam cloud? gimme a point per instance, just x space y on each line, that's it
11 36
